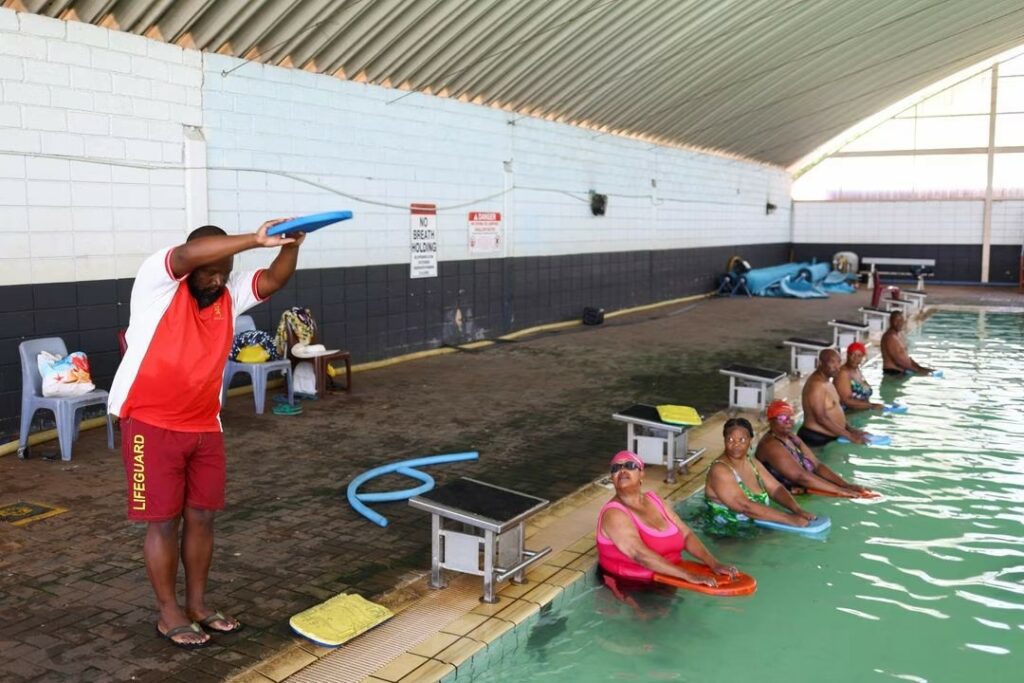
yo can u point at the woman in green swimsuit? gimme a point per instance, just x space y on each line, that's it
854 391
739 489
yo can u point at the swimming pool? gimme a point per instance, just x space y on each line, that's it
925 584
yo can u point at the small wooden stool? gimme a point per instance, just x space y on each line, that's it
320 365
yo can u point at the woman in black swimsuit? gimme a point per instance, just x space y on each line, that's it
790 461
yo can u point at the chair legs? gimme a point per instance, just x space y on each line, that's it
69 424
259 389
259 376
287 372
259 386
26 426
67 430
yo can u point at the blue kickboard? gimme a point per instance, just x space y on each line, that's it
310 223
938 373
873 440
816 526
895 408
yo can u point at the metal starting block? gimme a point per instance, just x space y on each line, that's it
478 528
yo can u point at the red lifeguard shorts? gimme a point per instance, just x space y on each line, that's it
168 470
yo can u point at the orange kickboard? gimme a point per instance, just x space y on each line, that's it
743 584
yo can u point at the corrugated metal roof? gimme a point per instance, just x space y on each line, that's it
769 80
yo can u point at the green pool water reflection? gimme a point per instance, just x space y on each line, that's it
924 584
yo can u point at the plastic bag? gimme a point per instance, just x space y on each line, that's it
304 378
64 377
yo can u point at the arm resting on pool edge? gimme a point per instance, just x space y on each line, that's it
725 489
618 526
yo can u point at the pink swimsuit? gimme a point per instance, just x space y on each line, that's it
668 543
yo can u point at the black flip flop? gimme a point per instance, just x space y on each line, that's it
179 630
207 623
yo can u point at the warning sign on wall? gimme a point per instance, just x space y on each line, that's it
423 242
484 232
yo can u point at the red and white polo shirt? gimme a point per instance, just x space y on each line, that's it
173 371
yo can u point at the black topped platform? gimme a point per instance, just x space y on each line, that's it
809 342
643 413
848 323
474 502
750 371
876 309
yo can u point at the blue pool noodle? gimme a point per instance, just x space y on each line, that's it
406 467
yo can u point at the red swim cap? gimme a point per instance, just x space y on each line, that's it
856 346
627 455
778 407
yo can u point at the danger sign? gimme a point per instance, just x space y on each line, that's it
484 232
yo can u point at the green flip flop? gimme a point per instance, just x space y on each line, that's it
285 409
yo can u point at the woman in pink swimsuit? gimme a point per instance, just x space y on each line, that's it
639 536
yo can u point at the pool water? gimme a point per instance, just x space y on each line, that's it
925 584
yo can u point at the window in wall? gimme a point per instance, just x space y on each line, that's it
950 132
1008 175
1010 131
1010 98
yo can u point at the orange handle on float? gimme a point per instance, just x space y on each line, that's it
743 584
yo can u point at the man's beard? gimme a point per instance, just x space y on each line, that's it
204 297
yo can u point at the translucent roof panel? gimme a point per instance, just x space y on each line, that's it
770 80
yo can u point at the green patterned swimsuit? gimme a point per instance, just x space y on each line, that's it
717 513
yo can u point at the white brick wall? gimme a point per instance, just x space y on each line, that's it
898 222
71 89
1008 222
425 149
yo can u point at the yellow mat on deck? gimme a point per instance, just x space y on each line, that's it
680 415
341 618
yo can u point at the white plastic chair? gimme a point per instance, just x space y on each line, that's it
258 372
65 409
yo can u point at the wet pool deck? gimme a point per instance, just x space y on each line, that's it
74 600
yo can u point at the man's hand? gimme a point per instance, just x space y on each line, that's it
265 240
877 406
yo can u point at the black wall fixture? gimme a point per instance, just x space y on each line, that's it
598 203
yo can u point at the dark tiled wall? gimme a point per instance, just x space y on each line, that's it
377 311
953 262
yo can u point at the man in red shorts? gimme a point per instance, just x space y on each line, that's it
167 394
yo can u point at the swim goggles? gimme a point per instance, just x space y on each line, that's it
627 465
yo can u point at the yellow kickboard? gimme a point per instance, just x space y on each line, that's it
680 415
340 619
